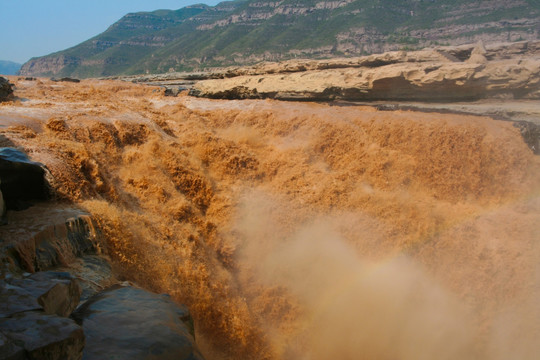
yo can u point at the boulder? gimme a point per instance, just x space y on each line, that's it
172 91
6 89
132 323
60 292
21 180
33 317
35 335
16 299
52 292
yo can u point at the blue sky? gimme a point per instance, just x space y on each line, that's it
39 27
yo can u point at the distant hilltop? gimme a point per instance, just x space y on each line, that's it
245 32
9 67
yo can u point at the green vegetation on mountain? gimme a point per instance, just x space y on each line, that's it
248 31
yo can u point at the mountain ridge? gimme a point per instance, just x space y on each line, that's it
245 32
9 67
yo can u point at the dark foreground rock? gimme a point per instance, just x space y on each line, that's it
34 335
33 317
134 324
94 273
6 90
22 181
53 293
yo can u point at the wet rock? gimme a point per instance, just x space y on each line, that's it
22 180
47 235
94 273
531 134
172 91
235 92
60 292
16 299
41 336
6 89
66 79
53 292
135 324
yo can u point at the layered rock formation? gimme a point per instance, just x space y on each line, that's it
464 73
247 32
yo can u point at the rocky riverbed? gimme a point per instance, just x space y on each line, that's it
59 296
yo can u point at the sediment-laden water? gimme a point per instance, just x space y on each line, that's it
303 231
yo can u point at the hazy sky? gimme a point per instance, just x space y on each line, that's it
39 27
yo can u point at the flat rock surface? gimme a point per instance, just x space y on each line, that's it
135 324
46 235
27 223
43 336
50 291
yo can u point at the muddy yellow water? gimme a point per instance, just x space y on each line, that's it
303 231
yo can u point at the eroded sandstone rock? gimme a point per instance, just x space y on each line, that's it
447 74
478 55
47 235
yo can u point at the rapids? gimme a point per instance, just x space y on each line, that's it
300 230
